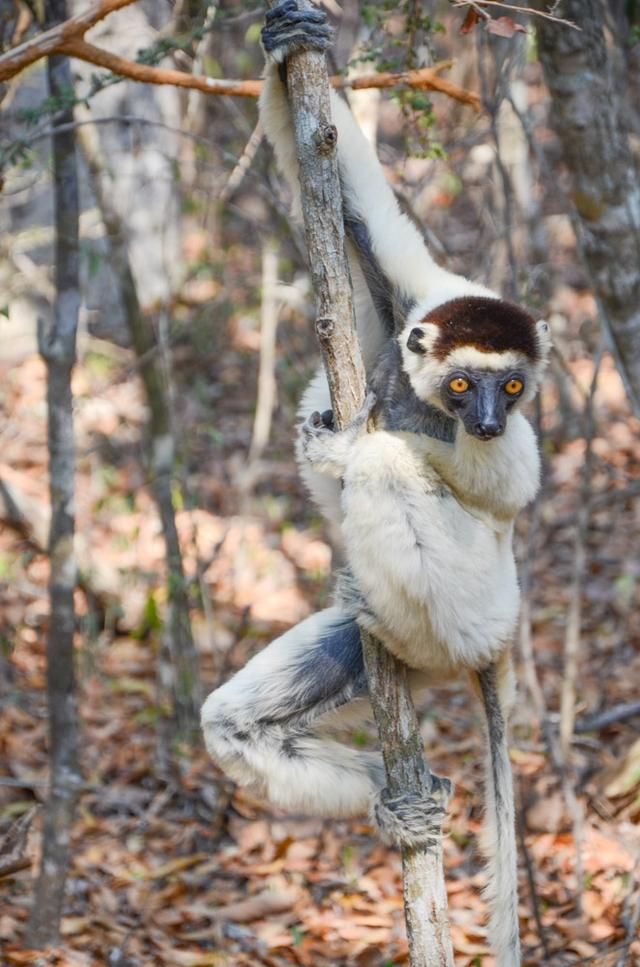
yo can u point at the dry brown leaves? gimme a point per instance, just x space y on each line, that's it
168 869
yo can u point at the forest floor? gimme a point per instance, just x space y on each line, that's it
172 865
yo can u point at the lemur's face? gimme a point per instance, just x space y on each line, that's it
476 358
482 398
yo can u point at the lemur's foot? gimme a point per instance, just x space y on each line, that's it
288 29
410 820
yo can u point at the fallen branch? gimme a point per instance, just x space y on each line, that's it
14 851
69 39
315 138
619 713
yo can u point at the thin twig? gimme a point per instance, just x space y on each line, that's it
516 9
30 139
199 59
525 633
243 164
154 372
531 881
631 915
572 635
266 376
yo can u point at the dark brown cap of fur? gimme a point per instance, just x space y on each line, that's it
489 325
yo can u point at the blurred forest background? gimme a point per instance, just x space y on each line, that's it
195 543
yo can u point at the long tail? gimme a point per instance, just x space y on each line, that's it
499 838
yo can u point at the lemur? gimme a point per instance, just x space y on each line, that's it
424 487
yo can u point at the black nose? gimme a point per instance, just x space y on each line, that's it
488 430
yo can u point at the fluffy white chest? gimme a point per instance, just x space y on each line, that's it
415 552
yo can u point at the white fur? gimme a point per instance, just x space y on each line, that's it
418 516
397 242
427 527
243 735
257 762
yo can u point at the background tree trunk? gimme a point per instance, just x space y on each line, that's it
587 115
58 348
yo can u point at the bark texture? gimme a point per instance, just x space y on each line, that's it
587 113
425 895
316 140
58 347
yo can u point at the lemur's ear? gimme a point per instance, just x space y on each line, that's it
543 335
414 342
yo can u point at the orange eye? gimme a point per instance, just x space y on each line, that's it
459 385
514 386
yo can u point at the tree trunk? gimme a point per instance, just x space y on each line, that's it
587 115
315 136
58 348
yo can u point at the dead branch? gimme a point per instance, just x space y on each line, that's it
183 666
69 39
426 78
574 614
266 400
14 851
619 713
57 39
243 164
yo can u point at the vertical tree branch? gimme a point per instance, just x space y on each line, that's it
573 630
266 397
183 673
315 136
58 348
425 896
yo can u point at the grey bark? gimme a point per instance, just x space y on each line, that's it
587 113
58 348
182 670
316 139
425 895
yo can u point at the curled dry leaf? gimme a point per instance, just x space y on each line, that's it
470 21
